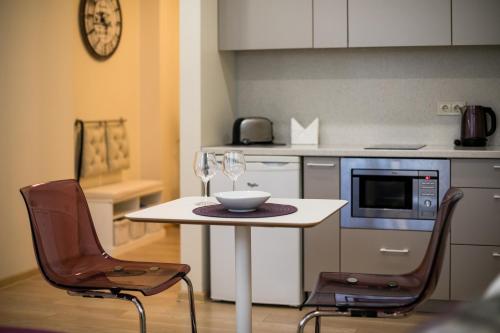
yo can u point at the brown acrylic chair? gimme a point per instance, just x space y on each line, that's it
70 256
377 295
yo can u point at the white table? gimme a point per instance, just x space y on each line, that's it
310 212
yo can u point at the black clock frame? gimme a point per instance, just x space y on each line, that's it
83 32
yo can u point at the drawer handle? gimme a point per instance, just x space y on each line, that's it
496 167
324 165
384 250
495 254
496 196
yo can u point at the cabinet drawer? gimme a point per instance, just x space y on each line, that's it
363 250
475 173
321 178
477 218
389 252
473 268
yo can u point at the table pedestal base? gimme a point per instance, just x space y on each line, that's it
243 267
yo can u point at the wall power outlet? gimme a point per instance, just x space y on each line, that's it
450 108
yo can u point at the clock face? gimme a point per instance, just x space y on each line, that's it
101 26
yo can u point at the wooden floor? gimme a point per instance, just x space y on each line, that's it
32 303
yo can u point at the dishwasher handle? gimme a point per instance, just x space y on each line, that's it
272 166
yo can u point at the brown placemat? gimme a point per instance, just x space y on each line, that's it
265 210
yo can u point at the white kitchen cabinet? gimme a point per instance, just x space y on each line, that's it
399 22
330 23
476 22
264 24
108 206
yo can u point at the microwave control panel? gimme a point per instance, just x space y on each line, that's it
427 194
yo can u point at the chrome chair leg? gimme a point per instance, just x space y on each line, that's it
307 317
191 304
140 310
317 324
319 313
119 296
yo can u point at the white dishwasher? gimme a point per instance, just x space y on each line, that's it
276 252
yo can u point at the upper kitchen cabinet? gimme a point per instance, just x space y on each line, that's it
330 23
264 24
400 22
476 22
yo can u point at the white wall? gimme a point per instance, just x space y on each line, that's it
205 117
368 95
36 114
218 82
192 237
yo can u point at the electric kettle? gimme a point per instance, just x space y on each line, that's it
474 129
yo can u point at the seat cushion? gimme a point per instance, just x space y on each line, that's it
365 291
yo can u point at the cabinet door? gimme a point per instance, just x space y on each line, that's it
473 268
390 252
469 172
476 22
399 22
264 24
321 243
330 23
477 218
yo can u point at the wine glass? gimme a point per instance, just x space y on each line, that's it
234 165
205 166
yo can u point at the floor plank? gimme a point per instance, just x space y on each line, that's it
32 303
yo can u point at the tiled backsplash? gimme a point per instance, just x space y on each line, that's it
368 95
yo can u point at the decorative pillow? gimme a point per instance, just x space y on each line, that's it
118 148
94 150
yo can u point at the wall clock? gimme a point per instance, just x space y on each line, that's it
101 26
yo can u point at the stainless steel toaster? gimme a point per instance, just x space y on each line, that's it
252 130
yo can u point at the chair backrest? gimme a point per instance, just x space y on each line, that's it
430 267
62 230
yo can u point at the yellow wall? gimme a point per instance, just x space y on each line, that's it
159 97
110 89
169 97
48 79
36 115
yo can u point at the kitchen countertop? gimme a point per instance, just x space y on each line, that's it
431 151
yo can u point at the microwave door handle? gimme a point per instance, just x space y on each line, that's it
383 172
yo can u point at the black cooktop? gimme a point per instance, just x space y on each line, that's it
396 146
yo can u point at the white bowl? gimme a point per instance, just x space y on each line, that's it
242 201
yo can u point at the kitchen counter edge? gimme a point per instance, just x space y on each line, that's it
358 151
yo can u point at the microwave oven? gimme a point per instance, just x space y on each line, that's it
392 193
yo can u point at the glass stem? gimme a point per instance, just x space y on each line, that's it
234 185
205 192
